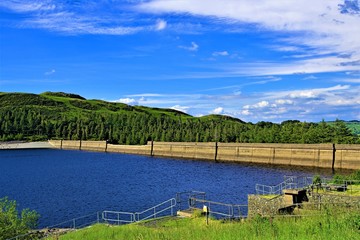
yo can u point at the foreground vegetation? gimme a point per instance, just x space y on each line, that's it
69 116
12 223
333 224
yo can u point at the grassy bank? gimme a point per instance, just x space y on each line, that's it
332 224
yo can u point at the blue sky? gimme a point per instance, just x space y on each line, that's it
254 60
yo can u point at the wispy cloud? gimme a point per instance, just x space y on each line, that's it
27 6
218 110
221 53
193 47
85 18
129 101
50 72
180 108
160 24
327 26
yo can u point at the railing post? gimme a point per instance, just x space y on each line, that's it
216 151
152 148
74 224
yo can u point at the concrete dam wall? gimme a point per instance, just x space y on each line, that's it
336 156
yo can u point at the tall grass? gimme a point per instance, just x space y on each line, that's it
333 223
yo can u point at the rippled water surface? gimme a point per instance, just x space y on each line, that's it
61 185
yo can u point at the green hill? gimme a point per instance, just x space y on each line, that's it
58 115
353 125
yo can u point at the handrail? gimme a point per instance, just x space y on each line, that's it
291 182
188 195
154 212
119 220
230 211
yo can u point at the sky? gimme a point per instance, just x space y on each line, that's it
260 60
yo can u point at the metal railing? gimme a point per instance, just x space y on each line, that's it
118 217
220 210
163 209
183 199
290 182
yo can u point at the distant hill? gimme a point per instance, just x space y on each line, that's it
59 115
353 125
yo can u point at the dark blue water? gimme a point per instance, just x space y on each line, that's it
61 185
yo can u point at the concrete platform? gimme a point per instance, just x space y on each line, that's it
185 213
25 145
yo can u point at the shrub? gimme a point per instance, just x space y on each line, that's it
355 175
11 223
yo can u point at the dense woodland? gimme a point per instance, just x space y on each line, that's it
69 116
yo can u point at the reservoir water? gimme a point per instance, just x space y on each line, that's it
61 185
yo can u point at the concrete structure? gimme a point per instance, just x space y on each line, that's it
336 156
24 145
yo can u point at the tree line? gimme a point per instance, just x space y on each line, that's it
31 123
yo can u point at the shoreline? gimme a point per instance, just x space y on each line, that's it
17 145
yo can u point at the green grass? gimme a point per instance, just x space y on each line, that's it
352 190
269 196
332 224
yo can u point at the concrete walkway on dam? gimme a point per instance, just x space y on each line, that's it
25 145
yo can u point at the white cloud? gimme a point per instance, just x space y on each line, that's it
349 80
283 101
194 47
308 66
313 93
218 110
160 25
311 77
304 94
223 53
246 112
261 104
180 108
287 48
129 101
51 72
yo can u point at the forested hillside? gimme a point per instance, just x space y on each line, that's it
70 116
